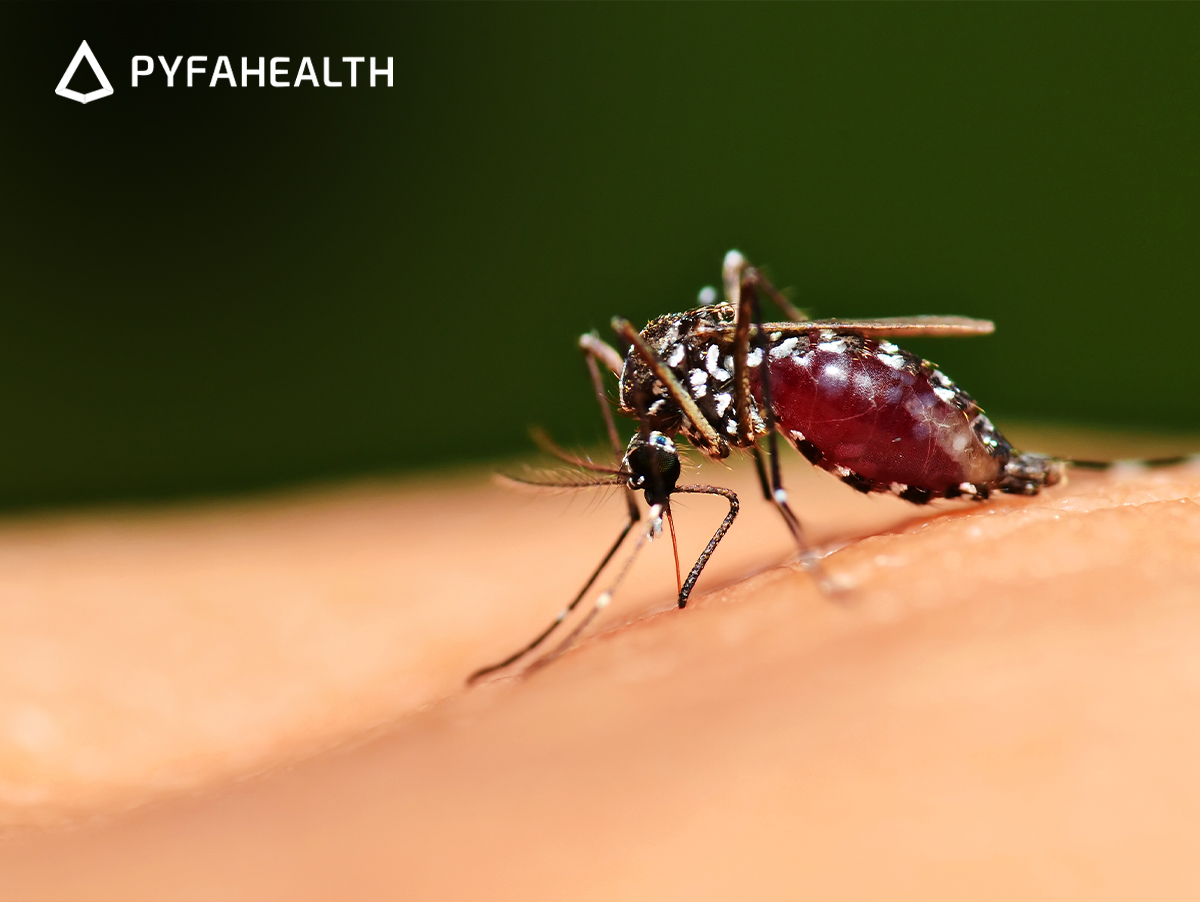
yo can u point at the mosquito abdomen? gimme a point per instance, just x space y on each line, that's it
883 419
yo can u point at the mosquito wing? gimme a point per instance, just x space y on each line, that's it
884 327
890 327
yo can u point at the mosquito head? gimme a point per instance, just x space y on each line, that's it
653 466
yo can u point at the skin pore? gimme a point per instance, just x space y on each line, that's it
264 698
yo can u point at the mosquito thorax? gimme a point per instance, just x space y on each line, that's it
652 462
697 346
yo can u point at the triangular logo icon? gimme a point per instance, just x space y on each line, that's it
84 53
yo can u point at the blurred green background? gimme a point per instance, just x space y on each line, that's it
214 290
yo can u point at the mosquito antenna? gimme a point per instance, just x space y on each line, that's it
674 548
602 600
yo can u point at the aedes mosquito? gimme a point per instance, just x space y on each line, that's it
850 401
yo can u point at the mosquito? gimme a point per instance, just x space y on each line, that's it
878 417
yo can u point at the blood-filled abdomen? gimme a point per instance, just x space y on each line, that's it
881 418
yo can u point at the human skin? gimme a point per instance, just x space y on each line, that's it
264 698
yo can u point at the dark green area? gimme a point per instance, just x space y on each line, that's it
205 290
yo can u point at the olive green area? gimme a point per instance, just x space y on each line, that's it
216 289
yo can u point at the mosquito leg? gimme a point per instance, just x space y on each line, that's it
782 301
593 349
655 513
808 559
762 473
593 346
564 613
779 495
735 266
741 284
603 599
729 496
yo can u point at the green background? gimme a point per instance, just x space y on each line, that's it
211 290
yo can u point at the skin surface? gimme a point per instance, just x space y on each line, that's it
263 699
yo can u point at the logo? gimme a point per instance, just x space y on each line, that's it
84 53
224 73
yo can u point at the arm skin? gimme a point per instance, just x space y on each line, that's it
264 699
